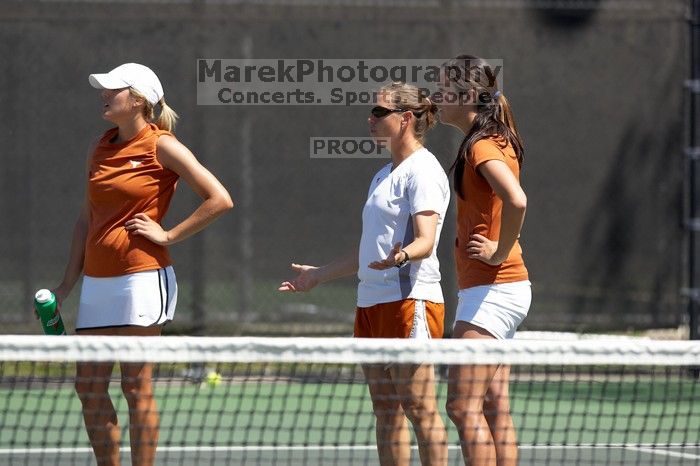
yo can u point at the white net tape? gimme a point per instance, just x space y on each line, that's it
350 350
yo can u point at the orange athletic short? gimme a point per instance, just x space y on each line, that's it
408 318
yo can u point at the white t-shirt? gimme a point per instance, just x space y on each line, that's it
418 184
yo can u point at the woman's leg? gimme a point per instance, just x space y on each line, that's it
497 410
415 386
393 438
99 415
467 387
137 386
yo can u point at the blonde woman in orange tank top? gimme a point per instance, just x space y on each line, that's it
129 285
494 294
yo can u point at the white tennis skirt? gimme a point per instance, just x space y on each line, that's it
498 308
142 298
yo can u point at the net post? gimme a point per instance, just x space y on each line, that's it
693 94
245 280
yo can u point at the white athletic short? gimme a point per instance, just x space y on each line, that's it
142 298
497 308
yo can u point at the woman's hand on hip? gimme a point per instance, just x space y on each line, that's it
143 225
483 249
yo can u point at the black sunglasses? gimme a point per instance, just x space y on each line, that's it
381 112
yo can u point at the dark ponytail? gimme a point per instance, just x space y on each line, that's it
494 118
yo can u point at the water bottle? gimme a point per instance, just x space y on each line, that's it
47 308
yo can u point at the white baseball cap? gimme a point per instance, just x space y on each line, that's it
140 77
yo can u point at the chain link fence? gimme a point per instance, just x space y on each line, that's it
597 91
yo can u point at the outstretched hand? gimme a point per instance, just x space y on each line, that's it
305 280
395 256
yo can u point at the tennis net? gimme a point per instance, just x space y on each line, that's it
296 401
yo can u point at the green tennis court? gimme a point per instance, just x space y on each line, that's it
255 420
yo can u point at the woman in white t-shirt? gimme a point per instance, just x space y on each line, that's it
399 294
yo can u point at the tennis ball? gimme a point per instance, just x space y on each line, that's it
213 379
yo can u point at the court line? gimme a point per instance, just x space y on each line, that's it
674 454
648 448
608 445
195 448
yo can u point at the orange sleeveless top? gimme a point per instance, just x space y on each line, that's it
126 179
480 213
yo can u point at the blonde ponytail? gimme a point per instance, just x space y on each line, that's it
430 113
167 118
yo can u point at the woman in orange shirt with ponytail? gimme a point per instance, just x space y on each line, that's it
129 285
494 290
